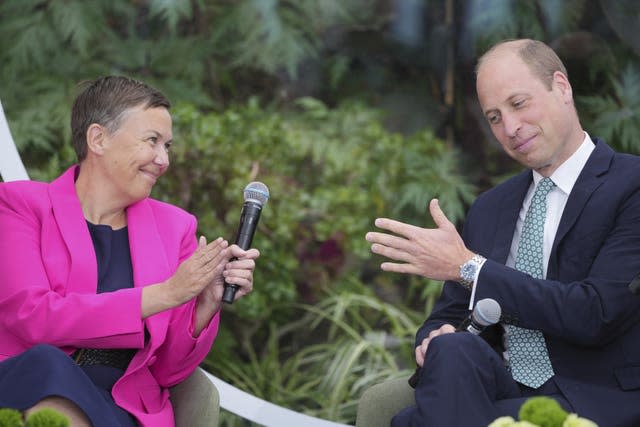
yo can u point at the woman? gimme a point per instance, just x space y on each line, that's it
106 297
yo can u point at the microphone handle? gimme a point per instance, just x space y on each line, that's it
465 323
249 218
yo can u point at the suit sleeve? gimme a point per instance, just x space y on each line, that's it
181 352
585 300
588 301
33 310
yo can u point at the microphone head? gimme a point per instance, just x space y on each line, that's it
256 192
487 312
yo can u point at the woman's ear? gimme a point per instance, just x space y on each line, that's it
96 138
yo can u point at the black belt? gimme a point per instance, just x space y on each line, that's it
116 358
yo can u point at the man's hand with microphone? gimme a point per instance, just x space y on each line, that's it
486 312
421 350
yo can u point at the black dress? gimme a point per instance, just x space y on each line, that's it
45 370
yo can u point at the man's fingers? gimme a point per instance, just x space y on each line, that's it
447 329
419 356
387 240
395 267
391 253
438 216
396 227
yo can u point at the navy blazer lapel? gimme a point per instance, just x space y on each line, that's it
588 181
509 209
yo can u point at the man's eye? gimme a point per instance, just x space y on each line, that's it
493 119
167 146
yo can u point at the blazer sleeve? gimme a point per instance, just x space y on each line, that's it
33 309
181 352
585 299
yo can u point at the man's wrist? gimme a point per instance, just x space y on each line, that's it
469 271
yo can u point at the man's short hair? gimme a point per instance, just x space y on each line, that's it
539 57
105 101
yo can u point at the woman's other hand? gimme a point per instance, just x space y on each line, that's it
192 276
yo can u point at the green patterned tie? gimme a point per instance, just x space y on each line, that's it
528 356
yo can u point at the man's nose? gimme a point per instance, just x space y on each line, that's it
512 124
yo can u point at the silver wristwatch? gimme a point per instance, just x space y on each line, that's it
469 270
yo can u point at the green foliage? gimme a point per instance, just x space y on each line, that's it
538 19
321 361
272 34
45 417
330 174
189 49
10 418
616 117
543 411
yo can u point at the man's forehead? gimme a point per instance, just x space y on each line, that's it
500 54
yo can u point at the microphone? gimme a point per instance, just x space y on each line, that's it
486 312
256 195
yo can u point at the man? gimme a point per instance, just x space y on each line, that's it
560 272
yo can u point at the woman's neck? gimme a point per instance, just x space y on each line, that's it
98 206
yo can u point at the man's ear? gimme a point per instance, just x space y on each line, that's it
561 82
96 135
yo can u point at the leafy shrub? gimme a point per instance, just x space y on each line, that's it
330 172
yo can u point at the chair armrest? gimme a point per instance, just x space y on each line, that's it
196 402
378 404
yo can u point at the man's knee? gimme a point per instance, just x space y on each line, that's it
455 342
458 351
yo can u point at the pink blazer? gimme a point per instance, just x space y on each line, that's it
48 282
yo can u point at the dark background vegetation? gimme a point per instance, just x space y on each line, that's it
348 110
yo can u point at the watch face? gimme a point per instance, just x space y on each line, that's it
468 271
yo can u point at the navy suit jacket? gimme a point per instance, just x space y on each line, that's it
590 319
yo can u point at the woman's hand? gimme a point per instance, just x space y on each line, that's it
202 268
192 276
238 271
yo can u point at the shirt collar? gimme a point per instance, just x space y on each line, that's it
567 173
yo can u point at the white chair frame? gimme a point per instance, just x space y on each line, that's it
232 399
